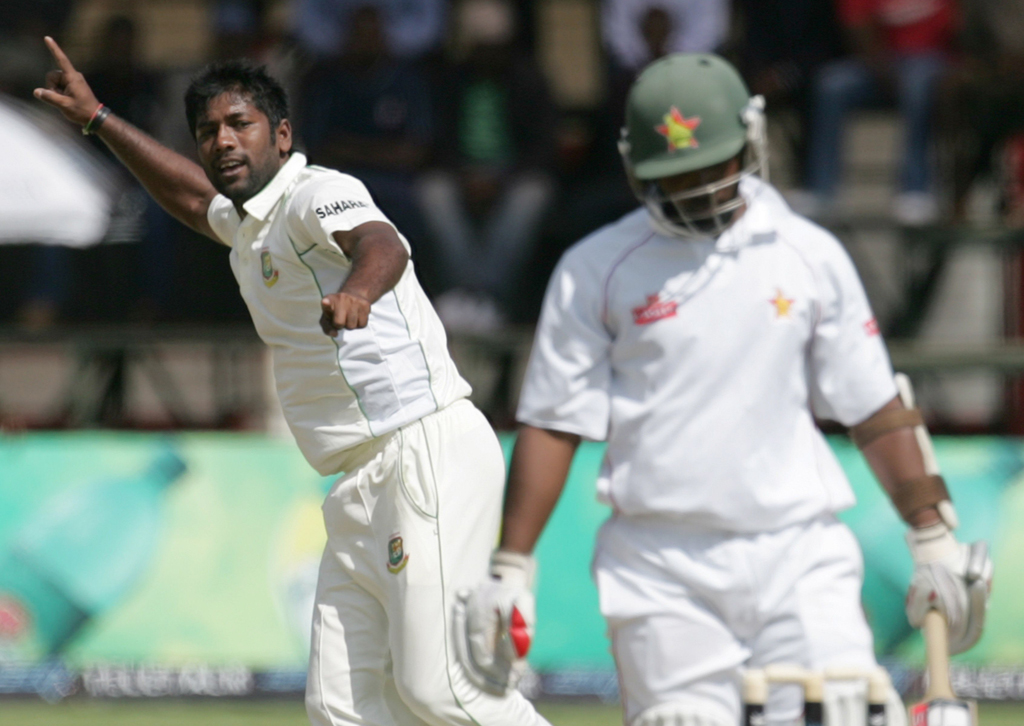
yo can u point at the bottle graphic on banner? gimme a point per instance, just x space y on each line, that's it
78 555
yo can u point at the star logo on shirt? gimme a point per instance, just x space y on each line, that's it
678 130
782 304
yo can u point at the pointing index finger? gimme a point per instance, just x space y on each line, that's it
58 55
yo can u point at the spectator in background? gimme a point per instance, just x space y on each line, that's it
367 113
784 44
485 201
982 106
900 52
413 27
637 32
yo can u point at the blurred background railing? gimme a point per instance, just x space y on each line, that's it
486 129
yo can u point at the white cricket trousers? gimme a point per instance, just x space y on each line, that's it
407 529
688 609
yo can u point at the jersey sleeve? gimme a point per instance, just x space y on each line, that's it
851 376
569 374
337 204
223 219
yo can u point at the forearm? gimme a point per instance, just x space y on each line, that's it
898 463
378 262
179 185
540 465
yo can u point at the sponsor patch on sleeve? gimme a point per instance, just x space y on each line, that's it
340 207
871 328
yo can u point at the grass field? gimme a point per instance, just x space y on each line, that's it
290 713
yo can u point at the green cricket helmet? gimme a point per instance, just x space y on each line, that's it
687 112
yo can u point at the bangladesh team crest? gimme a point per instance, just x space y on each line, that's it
267 265
678 130
397 558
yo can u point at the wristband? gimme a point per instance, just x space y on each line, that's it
931 544
513 568
96 120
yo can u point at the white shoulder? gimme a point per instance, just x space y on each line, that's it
599 252
818 247
314 181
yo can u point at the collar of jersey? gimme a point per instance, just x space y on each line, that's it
263 203
758 220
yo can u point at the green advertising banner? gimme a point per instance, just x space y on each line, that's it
200 551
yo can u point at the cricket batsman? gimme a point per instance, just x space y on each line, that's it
367 387
700 336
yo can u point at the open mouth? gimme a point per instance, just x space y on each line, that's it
230 168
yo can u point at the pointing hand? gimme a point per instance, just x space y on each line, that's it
343 310
66 89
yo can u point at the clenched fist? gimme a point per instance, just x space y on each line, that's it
343 311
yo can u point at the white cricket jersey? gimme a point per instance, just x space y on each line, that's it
700 362
336 392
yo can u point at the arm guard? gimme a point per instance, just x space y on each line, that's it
912 495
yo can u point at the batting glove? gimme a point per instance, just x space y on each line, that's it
951 577
494 624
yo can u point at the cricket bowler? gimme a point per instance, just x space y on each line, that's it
701 336
367 387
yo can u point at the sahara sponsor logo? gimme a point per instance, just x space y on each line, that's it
340 207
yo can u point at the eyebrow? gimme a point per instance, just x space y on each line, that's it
230 117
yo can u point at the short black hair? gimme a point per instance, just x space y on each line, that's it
237 76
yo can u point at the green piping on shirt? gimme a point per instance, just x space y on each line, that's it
333 340
426 361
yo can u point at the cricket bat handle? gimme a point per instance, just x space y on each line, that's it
936 642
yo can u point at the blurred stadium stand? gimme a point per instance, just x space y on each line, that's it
948 296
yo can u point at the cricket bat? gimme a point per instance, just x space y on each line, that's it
940 706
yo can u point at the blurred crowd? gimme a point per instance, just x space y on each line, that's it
445 110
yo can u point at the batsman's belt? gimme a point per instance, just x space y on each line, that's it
926 491
884 422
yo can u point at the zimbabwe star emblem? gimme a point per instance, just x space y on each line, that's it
397 558
782 304
678 130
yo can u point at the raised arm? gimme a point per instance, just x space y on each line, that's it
179 185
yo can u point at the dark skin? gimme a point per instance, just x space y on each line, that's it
542 457
699 206
239 153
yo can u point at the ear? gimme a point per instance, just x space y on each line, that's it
283 137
